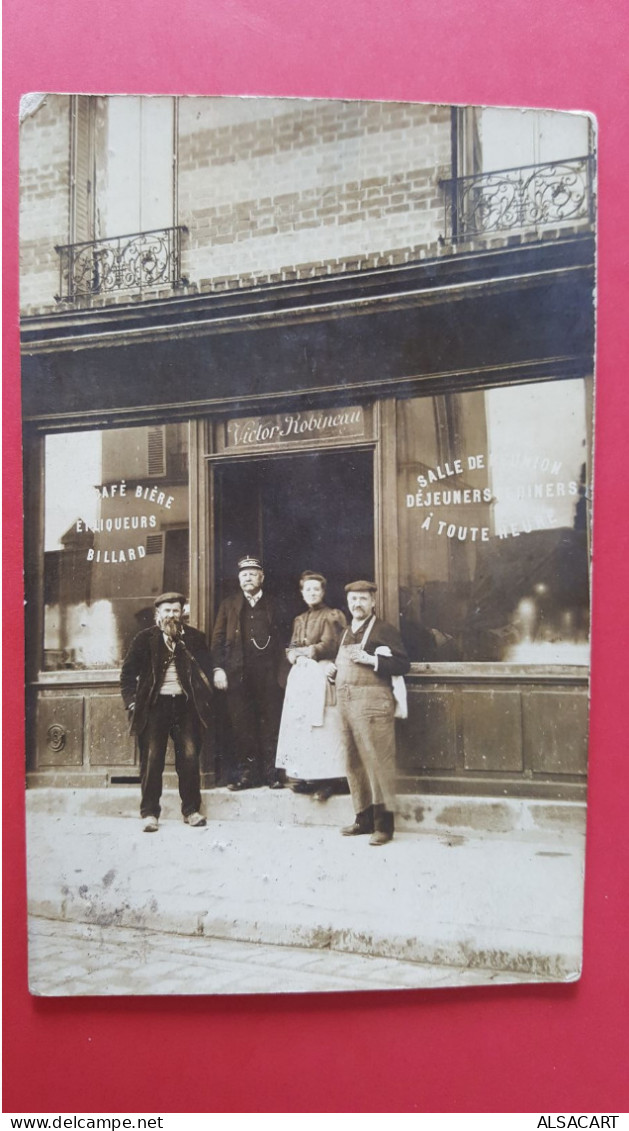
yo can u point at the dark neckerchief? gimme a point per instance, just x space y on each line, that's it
357 637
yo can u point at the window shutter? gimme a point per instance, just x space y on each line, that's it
82 169
154 543
156 451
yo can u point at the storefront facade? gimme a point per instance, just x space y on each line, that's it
424 419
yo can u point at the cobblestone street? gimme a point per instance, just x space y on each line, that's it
80 959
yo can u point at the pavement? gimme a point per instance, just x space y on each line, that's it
468 889
83 960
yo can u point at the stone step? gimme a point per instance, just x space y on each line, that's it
446 815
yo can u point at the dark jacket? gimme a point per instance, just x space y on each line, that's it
143 669
227 644
384 635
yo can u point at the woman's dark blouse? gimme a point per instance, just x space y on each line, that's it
319 629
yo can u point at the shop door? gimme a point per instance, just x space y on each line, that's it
297 512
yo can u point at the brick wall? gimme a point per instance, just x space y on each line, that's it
44 199
281 189
269 189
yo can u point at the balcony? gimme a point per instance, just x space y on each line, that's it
143 261
519 200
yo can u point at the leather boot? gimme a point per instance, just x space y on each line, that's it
384 822
362 824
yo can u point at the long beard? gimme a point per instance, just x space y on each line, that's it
170 627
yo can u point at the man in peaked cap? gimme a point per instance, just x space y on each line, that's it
371 652
247 650
166 684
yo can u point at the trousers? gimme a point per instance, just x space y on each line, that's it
367 711
254 711
171 716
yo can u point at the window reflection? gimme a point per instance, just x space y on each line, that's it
493 543
116 535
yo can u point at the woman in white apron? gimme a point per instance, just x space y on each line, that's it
310 747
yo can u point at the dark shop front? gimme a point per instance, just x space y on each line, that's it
427 425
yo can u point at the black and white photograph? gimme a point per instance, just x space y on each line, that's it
307 392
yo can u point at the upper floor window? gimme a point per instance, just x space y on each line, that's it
124 164
491 139
519 171
122 217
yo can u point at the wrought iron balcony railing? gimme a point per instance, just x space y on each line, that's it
524 198
137 262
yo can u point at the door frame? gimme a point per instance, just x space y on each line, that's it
203 502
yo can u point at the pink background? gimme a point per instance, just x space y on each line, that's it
554 1048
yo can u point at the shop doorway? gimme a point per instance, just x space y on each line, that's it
312 511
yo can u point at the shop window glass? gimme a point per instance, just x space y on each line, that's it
493 552
116 535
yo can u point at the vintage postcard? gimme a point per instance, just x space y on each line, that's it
308 399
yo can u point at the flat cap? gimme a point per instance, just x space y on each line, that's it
361 587
249 562
170 599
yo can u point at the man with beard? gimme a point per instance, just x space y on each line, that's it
166 686
247 650
371 652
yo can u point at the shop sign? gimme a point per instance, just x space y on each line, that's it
291 427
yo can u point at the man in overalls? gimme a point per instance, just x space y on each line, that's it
370 653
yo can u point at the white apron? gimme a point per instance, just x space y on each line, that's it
310 744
